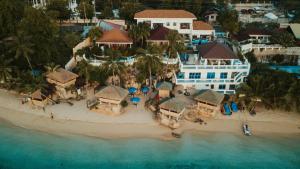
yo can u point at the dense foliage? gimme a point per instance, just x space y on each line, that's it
276 89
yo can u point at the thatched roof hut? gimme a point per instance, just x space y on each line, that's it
173 105
112 94
209 97
61 76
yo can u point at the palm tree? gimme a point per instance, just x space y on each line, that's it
51 67
150 60
144 31
84 70
175 43
95 33
114 68
22 46
139 32
5 69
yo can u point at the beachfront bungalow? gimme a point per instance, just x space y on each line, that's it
64 82
164 89
158 36
208 102
171 112
39 99
110 98
115 38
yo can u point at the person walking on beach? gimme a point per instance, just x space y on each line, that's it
51 116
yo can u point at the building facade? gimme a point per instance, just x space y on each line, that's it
72 4
179 20
214 67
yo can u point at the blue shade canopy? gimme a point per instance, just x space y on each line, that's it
135 100
132 90
145 89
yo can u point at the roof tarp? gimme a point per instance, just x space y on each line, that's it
272 16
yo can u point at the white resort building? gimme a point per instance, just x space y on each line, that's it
182 21
214 66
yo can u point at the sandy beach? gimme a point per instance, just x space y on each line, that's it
135 123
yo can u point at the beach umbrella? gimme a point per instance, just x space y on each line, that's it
145 89
132 90
135 100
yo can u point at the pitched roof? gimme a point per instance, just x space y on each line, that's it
38 95
296 30
61 75
105 25
112 93
164 86
200 25
214 50
173 104
164 13
115 36
160 33
209 96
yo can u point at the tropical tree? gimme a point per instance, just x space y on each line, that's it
84 70
114 68
176 43
5 69
148 61
11 13
228 19
86 9
61 8
95 33
283 38
139 32
22 47
51 67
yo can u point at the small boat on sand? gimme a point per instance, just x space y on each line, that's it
246 129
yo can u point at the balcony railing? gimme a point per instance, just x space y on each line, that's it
199 67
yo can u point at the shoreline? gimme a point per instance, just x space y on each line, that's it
130 125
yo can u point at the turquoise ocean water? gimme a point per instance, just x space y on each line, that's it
25 149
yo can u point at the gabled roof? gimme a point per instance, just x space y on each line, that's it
38 95
209 96
112 93
296 30
173 104
61 75
200 25
164 13
106 26
160 33
115 36
164 86
214 50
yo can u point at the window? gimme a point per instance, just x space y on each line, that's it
222 87
210 75
174 24
231 87
168 24
184 26
212 86
223 75
194 75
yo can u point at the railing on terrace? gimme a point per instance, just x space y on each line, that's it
195 67
205 81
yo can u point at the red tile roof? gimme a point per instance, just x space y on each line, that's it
166 13
115 36
200 25
159 34
214 50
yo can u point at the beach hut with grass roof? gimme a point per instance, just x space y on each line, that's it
208 102
39 98
110 98
171 112
64 82
164 89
